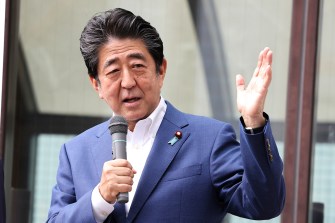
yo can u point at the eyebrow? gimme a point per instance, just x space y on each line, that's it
130 56
110 62
137 56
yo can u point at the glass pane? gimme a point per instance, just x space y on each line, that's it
243 25
49 34
247 26
323 178
48 147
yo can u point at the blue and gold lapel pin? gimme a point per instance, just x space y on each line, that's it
176 137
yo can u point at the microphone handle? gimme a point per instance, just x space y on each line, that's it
123 197
120 152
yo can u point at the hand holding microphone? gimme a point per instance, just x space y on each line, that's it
118 128
117 175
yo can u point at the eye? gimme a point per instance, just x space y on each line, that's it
113 72
136 66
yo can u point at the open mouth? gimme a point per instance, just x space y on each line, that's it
131 100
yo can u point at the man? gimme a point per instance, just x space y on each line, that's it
180 167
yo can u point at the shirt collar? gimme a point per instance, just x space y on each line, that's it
148 127
157 116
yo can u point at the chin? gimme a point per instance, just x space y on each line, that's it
134 117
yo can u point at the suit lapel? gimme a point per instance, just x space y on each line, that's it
118 215
159 159
102 150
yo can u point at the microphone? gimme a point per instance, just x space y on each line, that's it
118 129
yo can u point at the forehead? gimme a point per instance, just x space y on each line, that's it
116 48
122 50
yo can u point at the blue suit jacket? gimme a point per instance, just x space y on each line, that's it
200 178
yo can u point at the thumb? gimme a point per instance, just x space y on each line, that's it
240 85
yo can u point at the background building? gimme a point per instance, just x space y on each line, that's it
47 98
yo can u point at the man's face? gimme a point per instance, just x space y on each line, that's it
128 81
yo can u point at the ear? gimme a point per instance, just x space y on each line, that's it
96 86
162 71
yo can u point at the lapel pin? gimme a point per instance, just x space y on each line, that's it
176 137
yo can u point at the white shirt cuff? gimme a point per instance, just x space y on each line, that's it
101 208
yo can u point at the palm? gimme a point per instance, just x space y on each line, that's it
251 98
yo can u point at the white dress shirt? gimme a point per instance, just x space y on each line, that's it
139 143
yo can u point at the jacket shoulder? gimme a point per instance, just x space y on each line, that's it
90 135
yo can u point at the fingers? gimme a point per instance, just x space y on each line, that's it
117 177
267 76
119 167
264 61
266 68
268 56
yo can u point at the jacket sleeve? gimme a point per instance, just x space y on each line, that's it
65 206
248 175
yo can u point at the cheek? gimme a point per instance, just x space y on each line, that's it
100 93
159 84
108 92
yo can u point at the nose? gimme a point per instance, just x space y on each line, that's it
128 81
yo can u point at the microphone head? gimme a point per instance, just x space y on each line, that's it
118 124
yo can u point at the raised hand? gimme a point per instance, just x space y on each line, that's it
251 98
